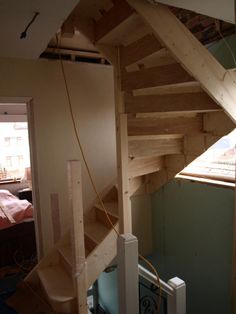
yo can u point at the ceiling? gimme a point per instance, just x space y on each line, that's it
15 16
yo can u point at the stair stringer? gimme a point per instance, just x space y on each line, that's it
218 82
102 256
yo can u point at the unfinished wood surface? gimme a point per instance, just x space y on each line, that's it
156 180
218 123
77 234
143 166
137 186
216 81
111 207
180 88
158 58
102 217
155 126
194 102
96 231
101 256
156 76
125 218
55 214
59 288
150 148
112 18
139 49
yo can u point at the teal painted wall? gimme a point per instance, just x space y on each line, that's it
192 235
222 53
108 296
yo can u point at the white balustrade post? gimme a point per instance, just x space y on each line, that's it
128 274
176 303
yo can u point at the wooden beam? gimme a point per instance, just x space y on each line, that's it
186 102
156 76
77 234
112 18
159 58
125 216
145 148
219 83
143 166
158 126
139 49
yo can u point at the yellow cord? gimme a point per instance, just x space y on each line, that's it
92 180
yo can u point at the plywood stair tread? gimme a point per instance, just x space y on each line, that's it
57 283
96 231
111 207
66 253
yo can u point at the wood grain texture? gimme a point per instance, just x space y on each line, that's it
148 148
156 76
219 83
112 18
143 166
186 102
155 126
139 49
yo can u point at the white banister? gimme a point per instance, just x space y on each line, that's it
176 304
128 274
175 290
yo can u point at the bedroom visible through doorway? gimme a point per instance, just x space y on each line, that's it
17 227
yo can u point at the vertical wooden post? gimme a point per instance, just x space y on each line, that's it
77 235
128 274
125 216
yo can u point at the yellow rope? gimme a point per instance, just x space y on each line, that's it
92 180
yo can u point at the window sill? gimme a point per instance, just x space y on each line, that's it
230 185
10 181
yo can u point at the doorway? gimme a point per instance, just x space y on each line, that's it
18 227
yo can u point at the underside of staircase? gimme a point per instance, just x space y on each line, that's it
173 101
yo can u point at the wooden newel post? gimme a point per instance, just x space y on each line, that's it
77 235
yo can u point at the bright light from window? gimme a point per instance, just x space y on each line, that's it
218 162
14 150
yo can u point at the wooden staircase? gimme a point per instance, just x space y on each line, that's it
54 278
173 101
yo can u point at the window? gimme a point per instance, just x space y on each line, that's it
14 152
218 162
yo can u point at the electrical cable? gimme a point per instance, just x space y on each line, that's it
24 33
92 180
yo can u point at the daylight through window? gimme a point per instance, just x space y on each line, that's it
218 162
14 153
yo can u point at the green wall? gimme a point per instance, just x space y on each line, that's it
221 51
192 234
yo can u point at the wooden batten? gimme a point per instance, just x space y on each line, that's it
143 166
186 102
158 126
77 234
139 49
148 148
159 58
219 83
112 18
156 76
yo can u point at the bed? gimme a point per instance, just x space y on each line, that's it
17 232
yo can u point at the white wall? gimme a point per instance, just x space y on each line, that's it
91 88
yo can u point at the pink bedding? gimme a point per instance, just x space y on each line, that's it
12 207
